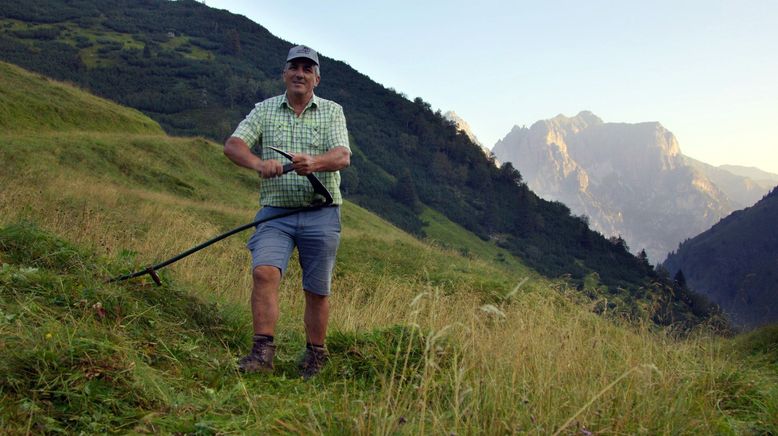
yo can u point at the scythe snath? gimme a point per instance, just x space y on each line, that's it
323 199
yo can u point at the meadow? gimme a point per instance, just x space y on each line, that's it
425 338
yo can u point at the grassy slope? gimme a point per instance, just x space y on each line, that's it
440 230
161 359
26 108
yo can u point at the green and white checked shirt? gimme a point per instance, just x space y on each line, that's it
320 127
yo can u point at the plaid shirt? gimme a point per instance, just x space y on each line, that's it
320 127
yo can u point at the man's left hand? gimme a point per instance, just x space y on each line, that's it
304 164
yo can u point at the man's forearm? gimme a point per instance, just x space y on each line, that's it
334 160
238 151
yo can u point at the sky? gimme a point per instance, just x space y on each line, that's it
706 70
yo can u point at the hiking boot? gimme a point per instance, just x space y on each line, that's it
260 359
313 361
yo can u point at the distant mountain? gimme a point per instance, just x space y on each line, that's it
763 178
628 179
735 263
742 190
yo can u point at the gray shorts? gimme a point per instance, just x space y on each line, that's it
315 233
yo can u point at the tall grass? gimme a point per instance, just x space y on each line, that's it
470 360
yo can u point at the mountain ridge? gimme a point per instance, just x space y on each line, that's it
764 178
742 191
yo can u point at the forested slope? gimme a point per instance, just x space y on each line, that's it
735 263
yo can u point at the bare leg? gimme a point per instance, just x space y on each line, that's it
317 313
264 299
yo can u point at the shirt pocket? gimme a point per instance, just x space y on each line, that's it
311 137
282 136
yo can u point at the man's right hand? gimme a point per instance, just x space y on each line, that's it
270 168
238 152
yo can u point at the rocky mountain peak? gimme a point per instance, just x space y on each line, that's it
572 125
589 117
629 179
464 127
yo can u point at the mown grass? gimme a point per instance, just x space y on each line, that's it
423 339
83 355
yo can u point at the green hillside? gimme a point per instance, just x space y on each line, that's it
424 340
198 70
197 171
23 108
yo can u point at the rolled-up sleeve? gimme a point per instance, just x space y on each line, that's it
250 129
338 136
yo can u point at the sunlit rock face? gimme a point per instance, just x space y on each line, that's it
464 127
629 179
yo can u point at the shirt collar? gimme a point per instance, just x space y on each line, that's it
312 103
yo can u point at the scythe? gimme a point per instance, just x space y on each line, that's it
318 188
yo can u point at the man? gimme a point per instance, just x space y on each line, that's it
313 130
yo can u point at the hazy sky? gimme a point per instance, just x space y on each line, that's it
707 70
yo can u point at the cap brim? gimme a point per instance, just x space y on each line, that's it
303 57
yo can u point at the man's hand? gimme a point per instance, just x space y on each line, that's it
333 160
238 152
270 168
304 164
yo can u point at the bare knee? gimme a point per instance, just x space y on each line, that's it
265 274
314 299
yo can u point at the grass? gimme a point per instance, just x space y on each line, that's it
23 108
424 339
442 231
82 355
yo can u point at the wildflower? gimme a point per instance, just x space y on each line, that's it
98 307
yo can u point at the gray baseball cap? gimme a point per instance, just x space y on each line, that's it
302 51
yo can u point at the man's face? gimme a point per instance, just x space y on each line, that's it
300 78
